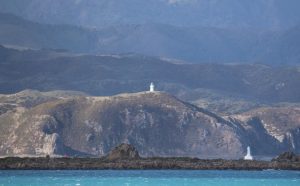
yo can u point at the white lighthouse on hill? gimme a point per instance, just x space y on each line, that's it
151 87
248 156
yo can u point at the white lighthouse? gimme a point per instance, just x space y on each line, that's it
248 155
151 87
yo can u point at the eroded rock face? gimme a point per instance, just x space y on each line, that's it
123 151
279 126
157 124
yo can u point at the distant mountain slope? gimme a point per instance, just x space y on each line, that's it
255 14
109 75
17 31
285 48
193 44
157 124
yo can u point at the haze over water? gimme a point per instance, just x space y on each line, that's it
150 178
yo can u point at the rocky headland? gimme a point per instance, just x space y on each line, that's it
158 124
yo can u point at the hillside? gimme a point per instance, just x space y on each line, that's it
192 44
157 124
285 49
110 75
257 14
16 31
280 122
100 123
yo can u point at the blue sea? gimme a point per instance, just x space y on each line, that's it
150 178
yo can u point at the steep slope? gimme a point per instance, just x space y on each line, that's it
157 124
282 123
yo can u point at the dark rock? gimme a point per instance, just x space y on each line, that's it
63 163
90 138
50 127
123 151
287 157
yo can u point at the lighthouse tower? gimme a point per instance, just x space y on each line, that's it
151 87
248 156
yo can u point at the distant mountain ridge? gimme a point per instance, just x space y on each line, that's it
109 75
20 32
192 44
255 14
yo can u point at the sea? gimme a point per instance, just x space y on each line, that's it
149 178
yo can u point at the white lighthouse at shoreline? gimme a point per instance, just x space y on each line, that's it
248 155
152 87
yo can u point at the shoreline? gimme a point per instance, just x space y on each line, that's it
46 163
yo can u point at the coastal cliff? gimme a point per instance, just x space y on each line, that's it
158 124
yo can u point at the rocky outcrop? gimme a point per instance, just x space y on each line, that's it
287 157
123 151
50 163
279 126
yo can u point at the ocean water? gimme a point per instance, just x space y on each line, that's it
150 178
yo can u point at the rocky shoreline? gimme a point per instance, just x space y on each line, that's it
14 163
125 157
